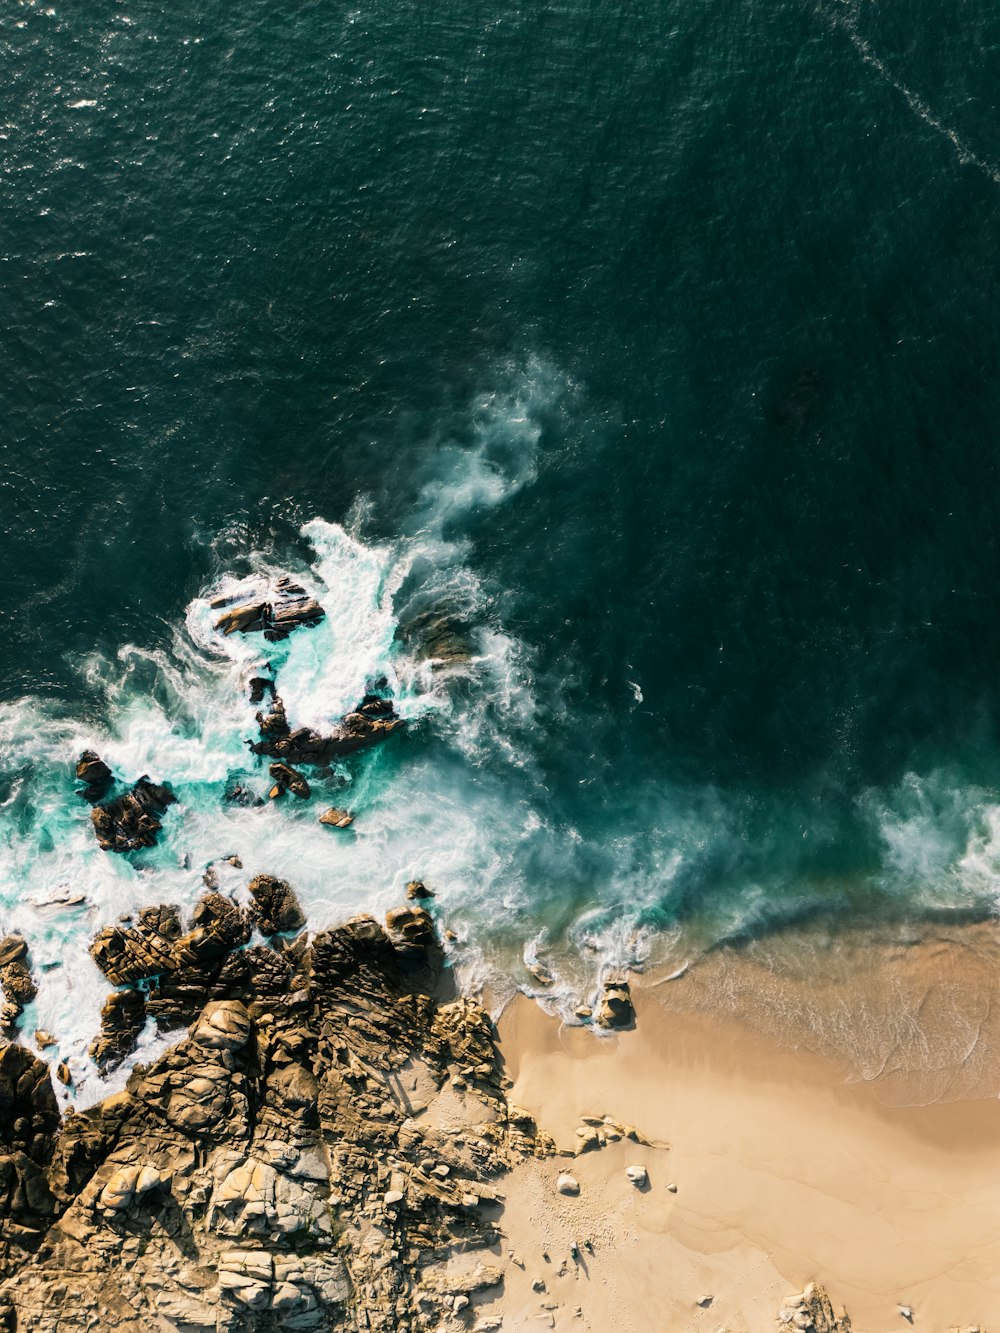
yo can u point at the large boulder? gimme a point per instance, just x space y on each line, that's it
95 775
615 1008
274 908
132 820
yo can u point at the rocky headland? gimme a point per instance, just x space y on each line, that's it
329 1146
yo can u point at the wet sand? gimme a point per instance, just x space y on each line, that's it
798 1153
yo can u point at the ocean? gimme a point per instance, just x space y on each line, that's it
652 345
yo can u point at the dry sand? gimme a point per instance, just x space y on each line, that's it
787 1168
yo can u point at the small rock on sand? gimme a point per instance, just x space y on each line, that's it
567 1184
637 1175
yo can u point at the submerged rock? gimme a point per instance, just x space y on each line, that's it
232 1186
437 636
132 821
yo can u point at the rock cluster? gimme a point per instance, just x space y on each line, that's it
372 721
811 1311
132 820
285 1165
275 613
16 983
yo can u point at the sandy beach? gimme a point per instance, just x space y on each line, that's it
769 1165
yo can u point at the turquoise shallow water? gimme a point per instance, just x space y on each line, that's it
659 340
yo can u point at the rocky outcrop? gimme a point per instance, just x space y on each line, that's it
123 1018
285 1165
274 908
615 1007
371 722
286 778
95 775
16 983
336 818
811 1311
275 612
132 820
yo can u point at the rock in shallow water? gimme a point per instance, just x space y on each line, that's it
276 614
336 818
132 821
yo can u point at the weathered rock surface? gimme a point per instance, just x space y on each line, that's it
286 778
95 775
16 983
336 818
275 612
811 1311
615 1007
372 721
274 908
272 1171
132 820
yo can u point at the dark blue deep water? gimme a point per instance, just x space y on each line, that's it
681 323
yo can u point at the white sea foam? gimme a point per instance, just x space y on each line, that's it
450 801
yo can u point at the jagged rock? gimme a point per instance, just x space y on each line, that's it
615 1007
123 1017
336 818
224 1025
95 775
242 794
285 608
417 891
274 908
230 1186
410 928
132 820
287 778
373 721
811 1311
16 983
128 955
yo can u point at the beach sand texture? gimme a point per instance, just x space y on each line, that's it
788 1166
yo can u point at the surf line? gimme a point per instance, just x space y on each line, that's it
847 21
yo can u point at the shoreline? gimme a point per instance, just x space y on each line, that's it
788 1166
